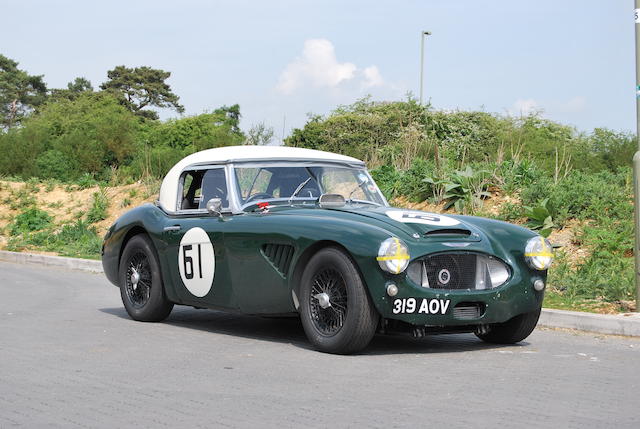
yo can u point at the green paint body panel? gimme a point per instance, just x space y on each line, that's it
247 281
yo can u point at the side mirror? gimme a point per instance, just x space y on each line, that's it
214 206
328 201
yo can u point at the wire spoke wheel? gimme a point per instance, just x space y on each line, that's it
328 301
138 280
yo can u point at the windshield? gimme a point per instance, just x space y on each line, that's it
268 183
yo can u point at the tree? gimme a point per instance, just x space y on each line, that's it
20 93
80 84
140 87
68 138
259 134
74 89
231 117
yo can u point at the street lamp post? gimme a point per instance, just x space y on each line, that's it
422 37
636 163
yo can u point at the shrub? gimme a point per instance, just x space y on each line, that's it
388 179
539 218
30 220
99 206
77 239
465 189
53 164
412 183
515 175
592 196
70 137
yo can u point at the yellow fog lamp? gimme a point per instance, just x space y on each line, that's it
538 253
393 255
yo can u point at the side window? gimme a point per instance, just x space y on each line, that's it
254 181
261 183
191 190
214 185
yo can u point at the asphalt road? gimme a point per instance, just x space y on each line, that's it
70 357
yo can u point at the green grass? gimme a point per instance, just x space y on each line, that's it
78 239
98 210
559 301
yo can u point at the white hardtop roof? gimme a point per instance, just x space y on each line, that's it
246 153
169 188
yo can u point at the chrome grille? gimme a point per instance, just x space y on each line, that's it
458 271
468 310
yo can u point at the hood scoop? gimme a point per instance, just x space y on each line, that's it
456 232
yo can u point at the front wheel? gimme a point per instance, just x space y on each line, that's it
513 330
336 311
141 287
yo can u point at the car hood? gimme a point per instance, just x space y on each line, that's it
424 224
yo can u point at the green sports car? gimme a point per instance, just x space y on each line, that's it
288 231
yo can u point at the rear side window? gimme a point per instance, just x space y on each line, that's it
191 190
200 186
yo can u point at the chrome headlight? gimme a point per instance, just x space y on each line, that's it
393 255
538 253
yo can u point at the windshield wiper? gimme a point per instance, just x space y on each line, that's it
298 189
360 185
350 201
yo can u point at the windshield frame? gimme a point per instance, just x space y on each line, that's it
241 206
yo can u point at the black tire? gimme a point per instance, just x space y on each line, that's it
349 322
143 299
513 330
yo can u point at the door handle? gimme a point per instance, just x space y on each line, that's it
172 228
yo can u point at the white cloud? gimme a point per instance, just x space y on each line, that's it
575 104
524 107
319 67
372 77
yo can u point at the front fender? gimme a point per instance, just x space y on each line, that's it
143 219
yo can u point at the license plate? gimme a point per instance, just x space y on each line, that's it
420 306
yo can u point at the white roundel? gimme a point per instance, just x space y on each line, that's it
409 216
196 261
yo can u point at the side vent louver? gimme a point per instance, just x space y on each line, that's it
279 255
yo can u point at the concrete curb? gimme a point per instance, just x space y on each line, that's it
627 324
77 264
615 324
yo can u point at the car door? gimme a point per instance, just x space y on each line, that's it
195 241
259 243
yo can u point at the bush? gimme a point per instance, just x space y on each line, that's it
93 135
78 239
515 175
30 220
412 183
99 206
70 137
388 179
465 189
540 218
597 196
53 164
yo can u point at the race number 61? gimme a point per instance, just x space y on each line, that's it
196 262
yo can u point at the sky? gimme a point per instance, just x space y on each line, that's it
572 61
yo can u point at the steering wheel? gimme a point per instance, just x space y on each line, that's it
258 196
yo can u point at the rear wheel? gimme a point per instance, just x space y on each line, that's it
336 312
141 287
513 330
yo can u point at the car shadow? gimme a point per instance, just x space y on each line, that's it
288 330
